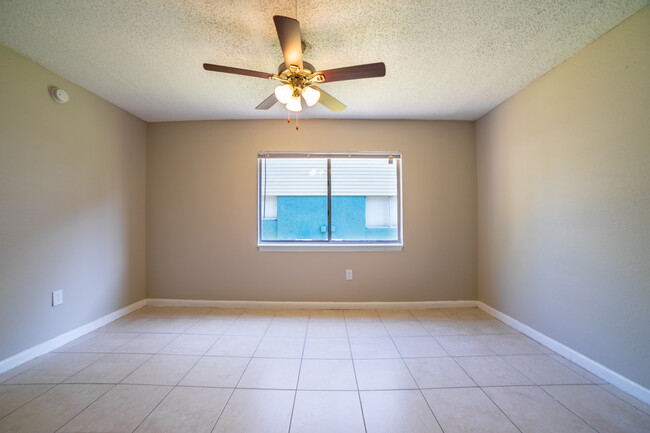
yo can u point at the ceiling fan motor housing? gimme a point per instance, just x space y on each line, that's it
306 66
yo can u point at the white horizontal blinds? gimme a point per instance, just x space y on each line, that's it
308 177
294 177
364 177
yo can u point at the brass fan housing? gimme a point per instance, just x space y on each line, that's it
307 67
297 78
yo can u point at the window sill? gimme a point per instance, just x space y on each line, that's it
330 248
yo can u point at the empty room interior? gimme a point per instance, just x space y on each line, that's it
299 216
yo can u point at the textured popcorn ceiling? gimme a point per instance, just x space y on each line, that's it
445 59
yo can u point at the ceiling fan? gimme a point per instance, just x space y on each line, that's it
298 77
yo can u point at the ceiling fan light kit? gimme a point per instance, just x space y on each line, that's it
311 96
299 77
283 93
294 104
296 84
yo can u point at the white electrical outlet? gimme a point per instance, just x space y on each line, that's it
348 274
57 297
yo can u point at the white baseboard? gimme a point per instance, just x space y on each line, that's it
590 365
415 305
58 341
583 361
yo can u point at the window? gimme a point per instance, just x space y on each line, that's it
330 200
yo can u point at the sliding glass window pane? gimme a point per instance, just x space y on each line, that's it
293 199
364 199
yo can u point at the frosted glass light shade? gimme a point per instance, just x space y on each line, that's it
311 96
294 104
283 93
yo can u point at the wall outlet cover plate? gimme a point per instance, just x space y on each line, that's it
57 297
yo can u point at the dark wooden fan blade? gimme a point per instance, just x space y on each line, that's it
290 41
330 101
238 71
267 103
354 72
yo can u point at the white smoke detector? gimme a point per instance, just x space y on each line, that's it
59 95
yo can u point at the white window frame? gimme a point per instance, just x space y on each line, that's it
331 245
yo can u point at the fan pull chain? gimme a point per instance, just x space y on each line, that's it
289 119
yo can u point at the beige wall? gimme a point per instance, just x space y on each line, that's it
202 204
72 195
564 202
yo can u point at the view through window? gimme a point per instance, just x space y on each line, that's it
329 198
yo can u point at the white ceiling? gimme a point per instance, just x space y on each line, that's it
445 59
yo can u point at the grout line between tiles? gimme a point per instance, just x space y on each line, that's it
85 407
411 373
500 409
602 386
216 421
356 380
534 384
11 377
479 387
486 394
345 320
569 409
26 403
95 362
173 387
302 357
504 358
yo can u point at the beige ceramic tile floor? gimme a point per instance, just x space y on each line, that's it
225 370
